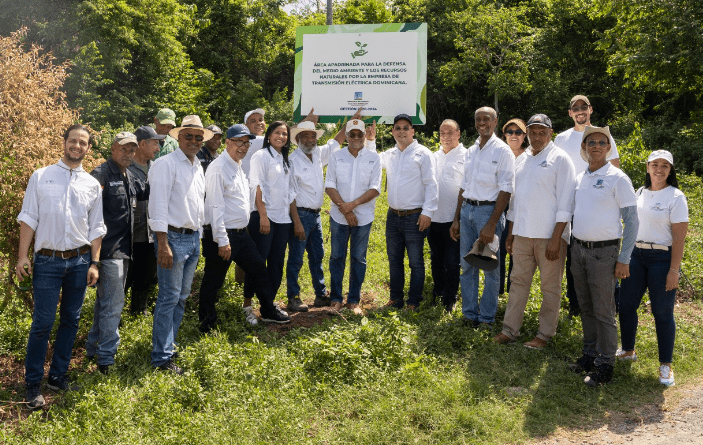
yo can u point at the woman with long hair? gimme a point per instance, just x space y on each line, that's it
656 261
269 225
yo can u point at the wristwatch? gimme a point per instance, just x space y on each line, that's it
95 263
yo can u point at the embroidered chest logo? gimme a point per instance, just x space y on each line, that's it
545 165
598 184
116 183
657 207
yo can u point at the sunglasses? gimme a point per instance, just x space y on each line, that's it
189 137
600 143
240 143
581 108
514 132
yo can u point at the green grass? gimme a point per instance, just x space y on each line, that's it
388 378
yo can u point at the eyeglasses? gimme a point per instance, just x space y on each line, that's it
240 143
581 108
599 143
190 136
355 136
514 132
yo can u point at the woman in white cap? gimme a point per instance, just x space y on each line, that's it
269 225
656 260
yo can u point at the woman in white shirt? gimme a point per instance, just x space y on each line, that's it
270 223
656 261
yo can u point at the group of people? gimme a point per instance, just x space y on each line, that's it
142 216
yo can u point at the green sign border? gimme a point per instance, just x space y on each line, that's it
420 116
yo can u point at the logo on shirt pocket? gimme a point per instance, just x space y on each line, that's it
598 184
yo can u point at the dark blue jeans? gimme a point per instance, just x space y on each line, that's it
648 270
357 239
444 256
296 249
51 276
402 234
272 248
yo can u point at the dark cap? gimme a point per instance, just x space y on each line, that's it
540 119
239 130
402 116
215 129
146 132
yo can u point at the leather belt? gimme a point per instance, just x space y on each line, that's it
309 210
180 230
597 244
405 212
479 203
65 254
643 245
209 227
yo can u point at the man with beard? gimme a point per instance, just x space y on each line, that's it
63 212
489 171
580 111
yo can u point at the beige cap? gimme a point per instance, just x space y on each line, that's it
125 137
590 130
577 98
191 121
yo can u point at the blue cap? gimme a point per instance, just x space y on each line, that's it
146 132
402 116
239 130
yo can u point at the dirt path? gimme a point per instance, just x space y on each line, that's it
678 421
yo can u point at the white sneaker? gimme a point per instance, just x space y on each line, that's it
626 355
281 308
666 375
251 318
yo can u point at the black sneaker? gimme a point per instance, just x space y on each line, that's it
170 366
61 383
583 364
104 369
276 316
323 301
33 396
295 304
602 375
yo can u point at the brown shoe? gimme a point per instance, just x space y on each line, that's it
336 306
536 343
354 307
502 339
394 304
411 308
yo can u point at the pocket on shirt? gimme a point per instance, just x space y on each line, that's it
343 172
487 174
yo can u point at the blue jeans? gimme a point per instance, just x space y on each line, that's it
341 236
104 336
174 288
402 234
51 276
272 248
316 251
473 218
648 270
444 256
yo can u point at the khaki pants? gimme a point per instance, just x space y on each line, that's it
528 255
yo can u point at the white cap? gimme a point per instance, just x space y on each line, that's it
661 154
249 113
355 124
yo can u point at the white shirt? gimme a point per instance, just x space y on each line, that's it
352 177
256 145
268 173
227 197
570 142
488 170
64 207
545 185
177 192
599 197
411 178
657 211
450 171
307 176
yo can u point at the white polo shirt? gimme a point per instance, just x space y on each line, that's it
177 192
256 145
352 177
657 211
450 172
307 177
411 179
227 197
570 142
545 185
488 170
268 172
599 197
64 207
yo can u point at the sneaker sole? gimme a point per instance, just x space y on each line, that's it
54 387
270 320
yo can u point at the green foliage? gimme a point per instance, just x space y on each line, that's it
633 157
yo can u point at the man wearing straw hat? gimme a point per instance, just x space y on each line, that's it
176 214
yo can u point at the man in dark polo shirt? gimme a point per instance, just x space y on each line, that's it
208 152
119 197
141 277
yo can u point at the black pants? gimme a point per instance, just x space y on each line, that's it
246 256
570 291
272 248
444 256
141 276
